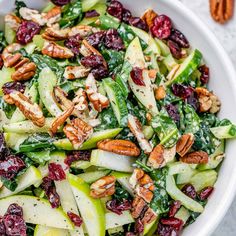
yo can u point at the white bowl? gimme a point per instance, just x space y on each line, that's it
223 83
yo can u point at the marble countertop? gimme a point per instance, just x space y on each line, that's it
227 36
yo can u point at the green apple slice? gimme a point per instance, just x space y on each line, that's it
5 75
92 176
38 211
149 229
112 161
65 144
41 230
30 177
91 209
14 140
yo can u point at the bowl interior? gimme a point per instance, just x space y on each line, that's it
222 83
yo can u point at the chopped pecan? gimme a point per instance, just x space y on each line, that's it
31 14
184 144
122 147
76 72
148 17
10 59
77 132
103 187
12 21
138 205
222 10
216 104
80 101
160 93
56 51
98 100
198 157
24 72
136 128
55 34
156 158
149 216
31 111
82 30
60 120
52 16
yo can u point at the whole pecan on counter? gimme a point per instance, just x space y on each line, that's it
198 157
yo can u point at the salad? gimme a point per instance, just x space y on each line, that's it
107 124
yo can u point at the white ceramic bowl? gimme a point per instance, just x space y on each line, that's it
223 82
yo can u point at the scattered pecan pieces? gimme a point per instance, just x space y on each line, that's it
198 157
55 34
12 21
156 158
31 111
77 132
25 71
82 30
222 10
10 59
80 101
136 128
54 50
52 16
32 15
143 184
103 187
76 72
160 93
148 17
121 147
184 144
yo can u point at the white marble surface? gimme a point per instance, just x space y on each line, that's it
227 36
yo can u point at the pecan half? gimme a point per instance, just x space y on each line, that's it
10 59
103 187
76 72
12 21
55 34
25 72
156 158
149 216
82 30
31 14
160 93
77 132
52 16
148 17
184 144
80 101
60 120
31 111
56 51
136 128
121 147
198 157
222 10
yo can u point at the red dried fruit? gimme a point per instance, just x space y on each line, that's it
137 76
77 156
181 90
61 2
115 9
173 112
179 38
92 61
174 49
130 234
126 15
112 40
174 208
205 193
189 190
15 209
91 14
162 27
172 222
73 43
96 39
205 74
4 151
9 87
26 31
193 101
100 72
75 218
2 227
117 206
139 226
56 172
14 225
1 62
139 23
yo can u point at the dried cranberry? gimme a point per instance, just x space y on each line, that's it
181 90
193 101
179 38
166 230
4 151
75 218
174 208
130 234
2 227
205 74
11 166
91 14
173 112
77 156
92 61
117 206
173 222
99 72
113 40
139 226
205 193
9 87
162 27
174 49
15 209
126 15
73 43
14 225
139 23
96 39
26 31
61 2
189 190
115 9
56 172
1 62
137 76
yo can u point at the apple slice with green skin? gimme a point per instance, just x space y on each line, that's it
38 211
30 177
112 161
5 75
92 176
14 140
65 144
91 209
149 229
41 230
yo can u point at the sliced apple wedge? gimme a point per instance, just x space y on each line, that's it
41 230
38 211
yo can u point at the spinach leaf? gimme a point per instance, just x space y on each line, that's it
125 134
210 120
9 184
71 14
120 193
3 42
40 157
141 162
192 120
108 22
7 108
137 111
19 5
30 229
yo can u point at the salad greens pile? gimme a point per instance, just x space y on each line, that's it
107 125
